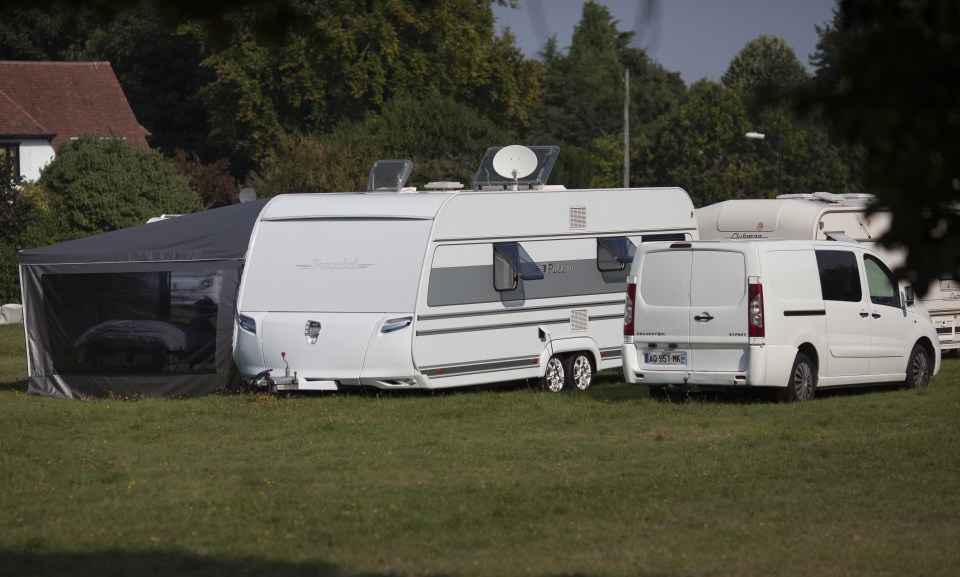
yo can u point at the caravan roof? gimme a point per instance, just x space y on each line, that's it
488 214
787 216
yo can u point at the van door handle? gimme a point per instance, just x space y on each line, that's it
876 315
703 317
864 314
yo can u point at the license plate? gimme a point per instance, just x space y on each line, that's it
675 358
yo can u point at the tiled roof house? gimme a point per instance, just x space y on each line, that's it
43 104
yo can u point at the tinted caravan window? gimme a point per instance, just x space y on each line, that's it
511 262
839 276
614 253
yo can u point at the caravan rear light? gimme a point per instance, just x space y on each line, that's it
755 308
628 310
247 323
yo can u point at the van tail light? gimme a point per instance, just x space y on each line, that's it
628 309
755 309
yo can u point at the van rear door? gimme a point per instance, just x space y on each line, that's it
718 311
691 310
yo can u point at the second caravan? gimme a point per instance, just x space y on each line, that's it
513 280
827 216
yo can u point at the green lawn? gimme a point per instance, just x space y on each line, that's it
496 482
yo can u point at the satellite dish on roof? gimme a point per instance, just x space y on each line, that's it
248 194
515 161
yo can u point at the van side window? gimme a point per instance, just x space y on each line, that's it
839 275
510 263
880 282
614 253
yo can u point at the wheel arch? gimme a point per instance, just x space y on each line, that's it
568 346
811 351
927 346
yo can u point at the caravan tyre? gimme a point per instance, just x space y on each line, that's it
553 378
803 380
918 368
579 371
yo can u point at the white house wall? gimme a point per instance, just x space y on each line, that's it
34 155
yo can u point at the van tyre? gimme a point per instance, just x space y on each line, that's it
919 368
554 377
803 380
579 371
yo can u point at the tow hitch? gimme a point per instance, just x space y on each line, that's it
287 382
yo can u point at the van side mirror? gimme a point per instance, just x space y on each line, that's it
908 296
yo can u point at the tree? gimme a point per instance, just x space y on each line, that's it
227 79
45 31
96 185
212 181
797 156
582 102
888 79
337 64
158 66
16 206
765 69
445 139
700 146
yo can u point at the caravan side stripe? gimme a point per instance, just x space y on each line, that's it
438 371
492 327
564 306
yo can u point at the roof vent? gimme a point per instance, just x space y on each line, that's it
579 320
442 186
514 166
389 175
578 218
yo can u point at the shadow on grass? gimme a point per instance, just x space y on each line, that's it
771 396
179 563
14 386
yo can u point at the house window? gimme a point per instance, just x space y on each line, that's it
10 160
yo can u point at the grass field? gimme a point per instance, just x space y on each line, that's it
495 482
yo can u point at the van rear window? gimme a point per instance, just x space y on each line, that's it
839 276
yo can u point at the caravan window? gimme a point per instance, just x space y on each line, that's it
510 263
880 282
614 253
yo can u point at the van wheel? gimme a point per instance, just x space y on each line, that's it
803 380
552 380
579 371
918 368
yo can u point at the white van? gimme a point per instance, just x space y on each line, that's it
828 216
797 315
406 289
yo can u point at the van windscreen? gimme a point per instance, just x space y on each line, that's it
342 265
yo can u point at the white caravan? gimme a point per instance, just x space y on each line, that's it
827 216
432 290
791 314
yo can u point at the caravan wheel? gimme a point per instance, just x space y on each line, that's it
579 371
553 378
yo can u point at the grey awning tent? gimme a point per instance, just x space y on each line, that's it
146 310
